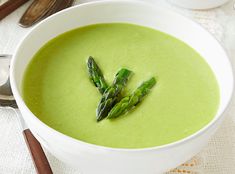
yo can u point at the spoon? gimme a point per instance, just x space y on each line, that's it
39 10
41 163
58 6
35 12
9 6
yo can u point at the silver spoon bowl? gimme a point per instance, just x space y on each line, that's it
6 96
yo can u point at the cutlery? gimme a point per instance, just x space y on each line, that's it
39 10
58 6
41 163
35 12
9 6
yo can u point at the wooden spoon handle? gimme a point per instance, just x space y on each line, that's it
9 6
40 161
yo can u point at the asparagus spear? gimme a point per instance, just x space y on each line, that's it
129 102
96 75
110 95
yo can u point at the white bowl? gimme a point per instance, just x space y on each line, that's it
198 4
90 158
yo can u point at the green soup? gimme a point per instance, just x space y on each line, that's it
58 91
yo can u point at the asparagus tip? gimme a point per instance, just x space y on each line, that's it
153 81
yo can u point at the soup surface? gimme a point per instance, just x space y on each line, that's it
58 91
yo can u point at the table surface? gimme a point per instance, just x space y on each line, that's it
217 158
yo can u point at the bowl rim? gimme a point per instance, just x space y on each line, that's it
195 5
179 142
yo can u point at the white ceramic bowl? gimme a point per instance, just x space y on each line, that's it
198 4
91 158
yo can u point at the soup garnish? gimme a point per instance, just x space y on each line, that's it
111 94
96 75
110 104
129 102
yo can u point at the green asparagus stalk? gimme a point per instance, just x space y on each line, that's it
96 75
110 95
129 102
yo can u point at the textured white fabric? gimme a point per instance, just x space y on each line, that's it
217 158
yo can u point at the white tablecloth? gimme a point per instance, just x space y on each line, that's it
217 158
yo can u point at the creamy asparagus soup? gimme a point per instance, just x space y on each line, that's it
59 91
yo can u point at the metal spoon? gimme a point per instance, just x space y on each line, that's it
41 163
58 6
35 12
41 9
